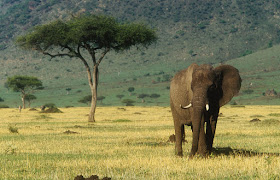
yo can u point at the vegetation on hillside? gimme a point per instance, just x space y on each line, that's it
189 31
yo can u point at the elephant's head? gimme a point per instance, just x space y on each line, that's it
211 88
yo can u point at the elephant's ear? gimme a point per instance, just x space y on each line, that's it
230 82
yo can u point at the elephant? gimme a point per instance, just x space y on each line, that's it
196 95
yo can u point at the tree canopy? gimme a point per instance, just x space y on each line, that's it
24 83
89 32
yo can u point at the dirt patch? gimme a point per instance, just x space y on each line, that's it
70 132
52 110
93 177
255 120
33 109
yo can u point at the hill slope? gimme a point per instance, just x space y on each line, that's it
203 32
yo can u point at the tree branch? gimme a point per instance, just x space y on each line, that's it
102 55
55 55
91 52
58 55
86 66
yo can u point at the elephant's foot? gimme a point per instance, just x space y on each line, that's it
179 153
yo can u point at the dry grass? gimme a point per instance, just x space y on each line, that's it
131 143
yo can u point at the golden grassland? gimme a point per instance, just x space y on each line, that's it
132 143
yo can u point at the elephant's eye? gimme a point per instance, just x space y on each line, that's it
213 86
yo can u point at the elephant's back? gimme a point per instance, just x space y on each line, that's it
181 93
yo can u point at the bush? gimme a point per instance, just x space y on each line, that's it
248 91
50 105
247 52
128 102
4 106
52 110
13 129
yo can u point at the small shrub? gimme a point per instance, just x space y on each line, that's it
52 110
50 105
256 116
86 99
11 149
13 129
122 120
4 106
247 52
128 102
233 103
248 91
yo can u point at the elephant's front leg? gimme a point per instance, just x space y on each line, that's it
211 124
202 145
179 136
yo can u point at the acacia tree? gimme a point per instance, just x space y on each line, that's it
24 84
93 35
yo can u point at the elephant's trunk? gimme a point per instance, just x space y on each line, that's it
199 103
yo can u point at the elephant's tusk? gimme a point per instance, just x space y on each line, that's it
207 107
186 107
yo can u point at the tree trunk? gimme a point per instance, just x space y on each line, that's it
93 88
23 101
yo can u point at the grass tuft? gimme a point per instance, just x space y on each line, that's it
275 114
13 129
121 120
270 122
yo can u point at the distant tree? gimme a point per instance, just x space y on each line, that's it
86 99
142 96
154 96
1 99
120 96
128 102
100 98
166 77
25 85
94 35
158 79
29 98
130 90
68 90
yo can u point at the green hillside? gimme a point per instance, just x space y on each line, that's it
242 33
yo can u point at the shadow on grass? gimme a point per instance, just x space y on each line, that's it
239 152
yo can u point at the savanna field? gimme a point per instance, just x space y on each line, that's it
132 143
